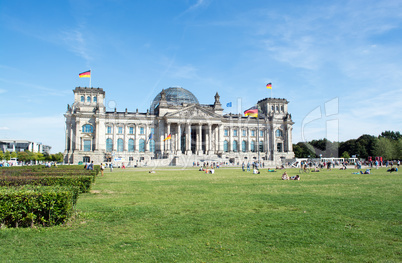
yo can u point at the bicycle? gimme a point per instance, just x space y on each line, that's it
304 170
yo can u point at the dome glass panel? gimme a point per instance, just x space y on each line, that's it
175 96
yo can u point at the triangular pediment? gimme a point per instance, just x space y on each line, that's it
192 112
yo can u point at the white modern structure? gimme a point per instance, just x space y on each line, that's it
198 132
23 145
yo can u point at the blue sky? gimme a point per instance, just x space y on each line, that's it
338 63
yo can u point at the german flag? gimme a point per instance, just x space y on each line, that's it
252 112
269 85
86 74
168 137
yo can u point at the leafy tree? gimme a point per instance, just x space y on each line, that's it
1 155
391 135
7 156
40 157
23 156
13 155
345 155
365 145
303 150
384 148
58 157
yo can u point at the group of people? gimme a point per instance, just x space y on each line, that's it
253 165
285 176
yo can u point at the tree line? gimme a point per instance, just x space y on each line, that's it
388 145
27 156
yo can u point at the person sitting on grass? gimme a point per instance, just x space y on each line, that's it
212 171
297 177
285 176
271 170
315 169
392 170
255 171
366 172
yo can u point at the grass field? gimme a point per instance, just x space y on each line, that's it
230 216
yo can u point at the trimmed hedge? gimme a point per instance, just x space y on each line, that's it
42 168
30 206
82 182
48 173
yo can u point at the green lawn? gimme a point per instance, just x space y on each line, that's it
230 216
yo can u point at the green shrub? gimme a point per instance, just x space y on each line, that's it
29 206
82 182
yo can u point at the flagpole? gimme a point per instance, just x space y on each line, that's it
90 78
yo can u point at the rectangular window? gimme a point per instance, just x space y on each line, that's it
225 132
243 133
279 147
120 130
131 130
153 130
109 129
234 132
252 133
87 145
142 130
261 133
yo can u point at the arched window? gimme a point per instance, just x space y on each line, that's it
252 146
109 145
278 133
131 145
120 145
282 108
89 99
243 146
225 146
141 146
95 99
87 128
235 146
82 99
261 146
152 146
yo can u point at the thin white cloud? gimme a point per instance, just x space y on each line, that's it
44 90
74 40
2 91
4 128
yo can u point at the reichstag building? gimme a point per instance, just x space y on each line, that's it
176 130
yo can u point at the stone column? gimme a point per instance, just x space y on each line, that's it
188 138
220 138
248 140
67 142
199 139
230 144
273 149
209 139
97 135
70 137
136 139
289 138
168 142
178 138
114 138
125 141
77 135
146 146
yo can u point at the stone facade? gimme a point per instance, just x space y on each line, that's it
198 132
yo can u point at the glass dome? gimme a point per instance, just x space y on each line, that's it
175 96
